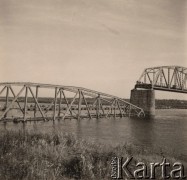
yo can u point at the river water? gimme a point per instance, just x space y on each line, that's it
168 130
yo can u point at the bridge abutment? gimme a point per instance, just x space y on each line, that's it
144 98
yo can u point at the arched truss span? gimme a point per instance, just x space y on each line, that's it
28 101
166 78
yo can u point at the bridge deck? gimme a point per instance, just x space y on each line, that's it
161 88
164 78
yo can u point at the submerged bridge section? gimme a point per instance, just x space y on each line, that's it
34 102
163 78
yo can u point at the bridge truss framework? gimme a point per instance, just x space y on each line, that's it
23 102
165 78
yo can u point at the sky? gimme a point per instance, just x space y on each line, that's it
102 45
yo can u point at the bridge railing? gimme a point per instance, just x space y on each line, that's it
35 102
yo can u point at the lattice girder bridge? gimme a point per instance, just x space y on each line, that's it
164 78
34 102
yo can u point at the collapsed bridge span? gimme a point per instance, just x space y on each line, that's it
20 101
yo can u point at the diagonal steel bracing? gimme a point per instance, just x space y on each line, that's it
65 102
164 78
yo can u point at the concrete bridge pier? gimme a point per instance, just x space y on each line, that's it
144 98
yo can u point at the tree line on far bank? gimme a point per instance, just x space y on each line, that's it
159 103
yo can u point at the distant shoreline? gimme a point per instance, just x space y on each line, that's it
159 103
170 104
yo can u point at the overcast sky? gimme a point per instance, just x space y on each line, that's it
98 44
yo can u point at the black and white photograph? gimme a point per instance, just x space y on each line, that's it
93 89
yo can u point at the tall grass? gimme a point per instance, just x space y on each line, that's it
35 155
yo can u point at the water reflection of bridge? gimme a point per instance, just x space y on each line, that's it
26 102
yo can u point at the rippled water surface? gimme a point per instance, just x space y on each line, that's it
168 130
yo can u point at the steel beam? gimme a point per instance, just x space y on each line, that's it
25 104
14 100
102 102
37 104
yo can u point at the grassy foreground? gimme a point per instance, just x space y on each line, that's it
34 155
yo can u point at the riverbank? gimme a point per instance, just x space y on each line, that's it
35 155
159 103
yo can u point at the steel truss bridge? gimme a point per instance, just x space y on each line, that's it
43 102
165 78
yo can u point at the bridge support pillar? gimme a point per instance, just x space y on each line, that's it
144 98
